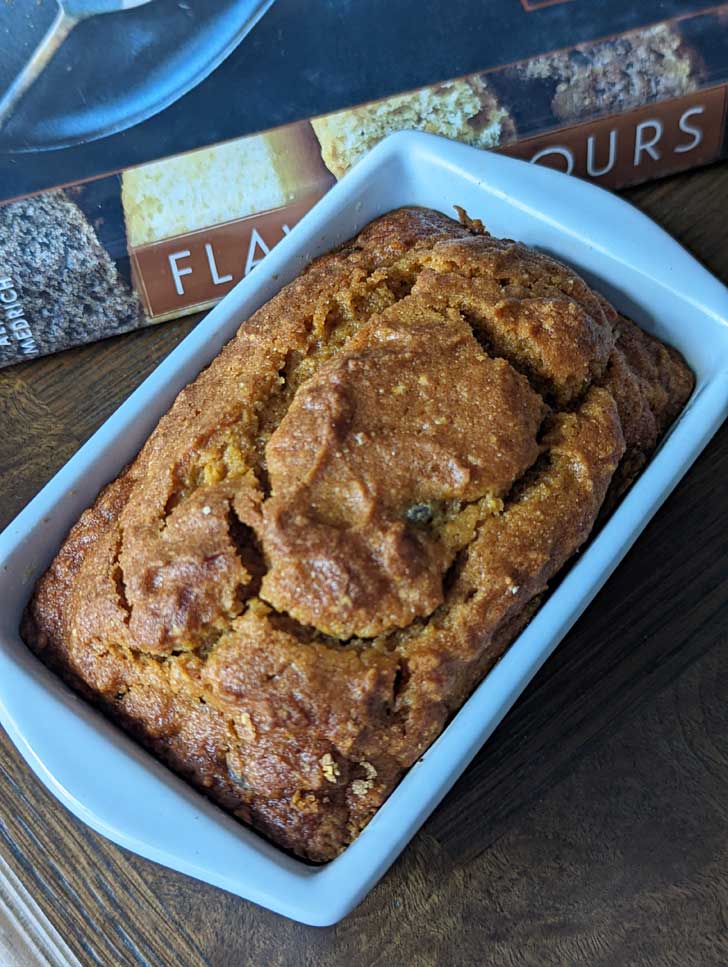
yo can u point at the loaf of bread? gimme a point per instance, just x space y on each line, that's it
614 75
345 520
465 110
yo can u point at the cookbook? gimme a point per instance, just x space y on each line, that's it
106 227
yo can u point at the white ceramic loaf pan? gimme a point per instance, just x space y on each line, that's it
120 790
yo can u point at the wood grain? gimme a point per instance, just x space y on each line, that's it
27 939
590 830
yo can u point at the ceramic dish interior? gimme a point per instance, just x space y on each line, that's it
120 790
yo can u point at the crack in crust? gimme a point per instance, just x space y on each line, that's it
344 521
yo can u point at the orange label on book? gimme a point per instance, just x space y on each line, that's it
648 142
196 269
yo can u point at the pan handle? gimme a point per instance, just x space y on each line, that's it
62 25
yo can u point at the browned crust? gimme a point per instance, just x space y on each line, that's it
217 599
650 384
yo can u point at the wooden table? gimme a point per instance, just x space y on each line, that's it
592 829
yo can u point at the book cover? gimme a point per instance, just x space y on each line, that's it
129 201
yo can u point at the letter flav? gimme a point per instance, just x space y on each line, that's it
256 241
177 272
217 279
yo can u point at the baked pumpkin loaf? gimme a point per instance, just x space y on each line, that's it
342 523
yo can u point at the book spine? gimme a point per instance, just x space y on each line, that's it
637 146
173 236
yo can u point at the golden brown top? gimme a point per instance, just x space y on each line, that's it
350 433
409 417
340 524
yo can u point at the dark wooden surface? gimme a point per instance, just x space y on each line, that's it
592 829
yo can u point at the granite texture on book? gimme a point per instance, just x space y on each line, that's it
59 285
